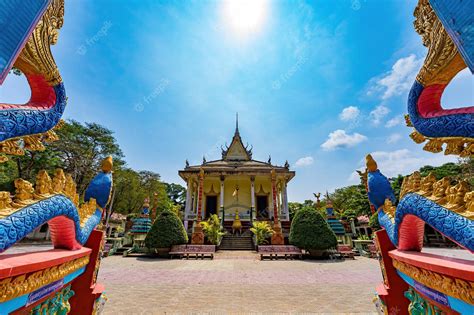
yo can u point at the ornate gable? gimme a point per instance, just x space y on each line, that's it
237 151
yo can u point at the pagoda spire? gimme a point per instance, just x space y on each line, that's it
237 124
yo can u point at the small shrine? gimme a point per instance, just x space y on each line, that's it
335 224
140 227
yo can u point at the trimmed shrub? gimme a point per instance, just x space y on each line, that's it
167 230
309 231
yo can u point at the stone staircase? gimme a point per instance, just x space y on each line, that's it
236 242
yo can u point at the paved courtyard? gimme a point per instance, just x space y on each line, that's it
238 282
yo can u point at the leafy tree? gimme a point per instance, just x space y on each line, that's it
131 189
374 222
350 201
176 193
309 231
448 169
396 183
167 230
79 151
293 208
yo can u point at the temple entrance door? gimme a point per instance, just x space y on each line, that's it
262 208
211 205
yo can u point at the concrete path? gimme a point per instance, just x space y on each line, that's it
238 282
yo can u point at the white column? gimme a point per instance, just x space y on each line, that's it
252 198
221 208
189 201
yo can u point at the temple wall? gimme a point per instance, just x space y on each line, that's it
243 204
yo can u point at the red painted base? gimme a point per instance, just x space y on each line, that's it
392 290
86 289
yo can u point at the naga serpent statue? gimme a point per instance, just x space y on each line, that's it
64 279
446 30
26 127
27 48
415 281
447 208
56 202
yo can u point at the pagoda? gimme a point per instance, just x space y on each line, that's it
237 184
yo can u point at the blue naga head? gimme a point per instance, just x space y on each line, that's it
379 187
101 185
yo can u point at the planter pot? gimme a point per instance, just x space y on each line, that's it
162 252
317 252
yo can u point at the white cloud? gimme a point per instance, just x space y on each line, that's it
349 113
392 163
378 114
340 139
399 79
395 121
394 138
304 161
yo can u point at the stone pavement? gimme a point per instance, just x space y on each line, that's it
238 282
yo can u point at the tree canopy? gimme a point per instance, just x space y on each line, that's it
79 152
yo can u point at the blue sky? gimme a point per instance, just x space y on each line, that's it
317 83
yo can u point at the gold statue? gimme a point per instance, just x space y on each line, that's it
439 190
415 179
70 189
405 188
237 224
427 185
5 204
59 181
23 193
43 186
469 205
455 196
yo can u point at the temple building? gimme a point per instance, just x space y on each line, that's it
237 184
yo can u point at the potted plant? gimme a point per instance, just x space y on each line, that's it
213 230
167 230
311 232
262 231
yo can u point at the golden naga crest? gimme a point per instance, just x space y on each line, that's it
443 60
36 59
36 56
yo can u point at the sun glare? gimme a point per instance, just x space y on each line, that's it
245 16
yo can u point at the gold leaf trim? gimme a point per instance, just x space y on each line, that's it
462 146
455 287
11 288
